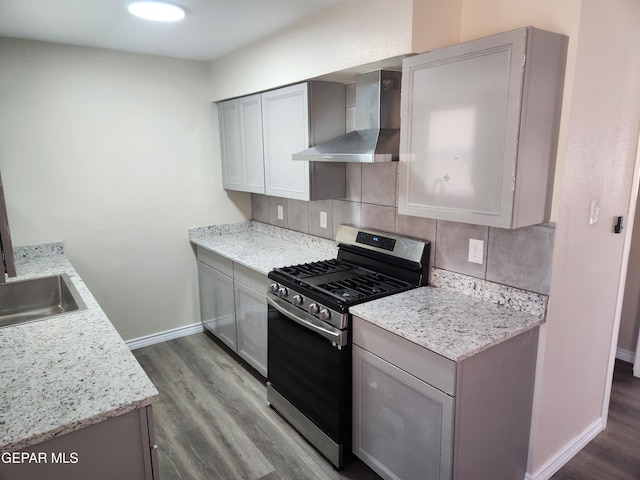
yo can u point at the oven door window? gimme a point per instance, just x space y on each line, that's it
310 373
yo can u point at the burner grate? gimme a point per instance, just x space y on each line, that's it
364 287
312 269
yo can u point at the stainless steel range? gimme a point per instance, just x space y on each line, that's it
309 331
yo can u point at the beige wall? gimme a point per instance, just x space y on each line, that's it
599 128
113 154
73 112
351 34
630 316
601 142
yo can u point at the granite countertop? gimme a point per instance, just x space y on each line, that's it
67 372
457 317
446 322
262 247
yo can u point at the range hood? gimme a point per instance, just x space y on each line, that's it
377 134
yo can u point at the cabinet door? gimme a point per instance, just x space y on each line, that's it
241 150
285 125
229 124
402 427
251 321
250 111
217 306
471 143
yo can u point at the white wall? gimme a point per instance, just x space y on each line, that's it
630 316
598 133
351 34
117 156
601 146
600 120
130 243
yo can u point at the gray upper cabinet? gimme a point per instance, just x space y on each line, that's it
240 122
293 119
259 134
479 129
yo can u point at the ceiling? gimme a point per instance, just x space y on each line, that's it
211 28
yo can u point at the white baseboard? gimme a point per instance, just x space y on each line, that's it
567 453
164 336
625 355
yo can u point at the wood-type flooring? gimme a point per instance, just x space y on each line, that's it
213 422
615 452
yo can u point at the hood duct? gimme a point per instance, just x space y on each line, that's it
377 134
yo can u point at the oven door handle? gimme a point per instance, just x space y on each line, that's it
339 337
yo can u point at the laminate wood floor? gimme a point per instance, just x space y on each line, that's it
615 452
213 422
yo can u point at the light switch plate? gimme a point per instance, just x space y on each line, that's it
594 212
280 212
476 250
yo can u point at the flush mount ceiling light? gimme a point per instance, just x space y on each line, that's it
157 11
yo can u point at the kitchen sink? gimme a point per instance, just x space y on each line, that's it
38 298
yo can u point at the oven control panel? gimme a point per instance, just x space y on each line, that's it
385 243
411 249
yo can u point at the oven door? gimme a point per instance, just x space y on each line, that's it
309 378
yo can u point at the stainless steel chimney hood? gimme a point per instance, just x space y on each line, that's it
377 134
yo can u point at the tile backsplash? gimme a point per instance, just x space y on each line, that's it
518 258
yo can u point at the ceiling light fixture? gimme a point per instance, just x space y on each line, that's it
157 11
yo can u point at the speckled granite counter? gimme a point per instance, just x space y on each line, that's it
446 322
67 372
262 247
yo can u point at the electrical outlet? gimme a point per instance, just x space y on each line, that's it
476 250
280 212
323 219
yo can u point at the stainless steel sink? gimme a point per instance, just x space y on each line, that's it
37 299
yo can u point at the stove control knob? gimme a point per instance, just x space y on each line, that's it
314 308
325 314
298 300
273 288
283 292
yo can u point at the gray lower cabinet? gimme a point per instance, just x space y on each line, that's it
119 447
251 312
217 308
403 424
418 415
233 306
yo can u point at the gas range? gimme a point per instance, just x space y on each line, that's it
369 265
309 345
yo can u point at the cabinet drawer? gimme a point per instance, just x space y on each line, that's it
428 366
220 263
250 278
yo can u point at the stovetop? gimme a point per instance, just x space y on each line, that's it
369 265
343 282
